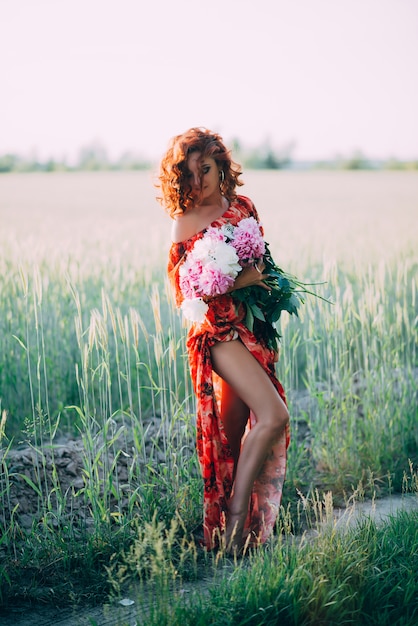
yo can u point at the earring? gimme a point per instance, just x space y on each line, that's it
222 176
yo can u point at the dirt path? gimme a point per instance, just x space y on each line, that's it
117 615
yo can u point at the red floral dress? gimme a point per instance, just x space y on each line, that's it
224 322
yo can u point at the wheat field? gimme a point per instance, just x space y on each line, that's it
355 217
92 351
75 243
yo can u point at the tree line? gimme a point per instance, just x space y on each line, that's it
94 157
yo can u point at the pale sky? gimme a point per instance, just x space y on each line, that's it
332 76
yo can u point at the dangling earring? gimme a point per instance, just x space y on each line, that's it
222 176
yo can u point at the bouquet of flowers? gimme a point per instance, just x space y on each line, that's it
215 261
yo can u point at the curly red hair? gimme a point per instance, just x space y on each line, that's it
175 187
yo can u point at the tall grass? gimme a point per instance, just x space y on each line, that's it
358 362
92 348
362 576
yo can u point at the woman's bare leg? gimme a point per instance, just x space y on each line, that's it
234 416
235 364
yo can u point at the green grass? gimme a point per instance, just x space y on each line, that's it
365 575
91 346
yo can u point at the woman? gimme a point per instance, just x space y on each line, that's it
242 419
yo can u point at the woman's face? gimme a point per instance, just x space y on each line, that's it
203 177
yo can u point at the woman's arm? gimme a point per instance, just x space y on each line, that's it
249 276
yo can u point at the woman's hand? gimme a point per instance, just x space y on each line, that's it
252 275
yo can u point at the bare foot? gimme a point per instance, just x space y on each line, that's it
233 533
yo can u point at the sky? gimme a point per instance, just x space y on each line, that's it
329 77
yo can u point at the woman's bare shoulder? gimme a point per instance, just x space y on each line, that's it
183 227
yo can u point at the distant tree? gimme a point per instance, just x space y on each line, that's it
8 163
93 157
356 162
236 148
264 157
131 161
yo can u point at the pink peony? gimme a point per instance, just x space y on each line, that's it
215 234
213 282
248 241
186 287
189 277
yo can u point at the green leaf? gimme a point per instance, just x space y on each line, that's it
249 320
31 484
20 342
291 305
264 308
257 312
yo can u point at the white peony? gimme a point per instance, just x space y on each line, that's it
203 248
226 259
194 309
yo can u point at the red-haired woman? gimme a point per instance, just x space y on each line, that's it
242 419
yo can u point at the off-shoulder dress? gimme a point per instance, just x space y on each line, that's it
224 321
